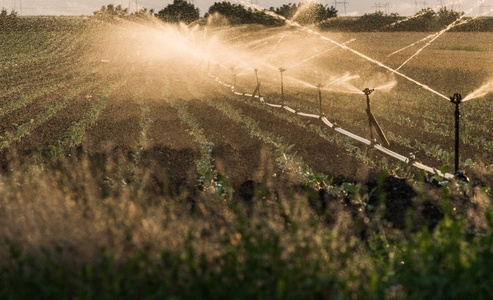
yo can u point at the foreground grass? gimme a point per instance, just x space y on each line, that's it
64 238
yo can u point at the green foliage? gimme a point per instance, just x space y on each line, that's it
111 12
314 13
208 180
376 21
286 10
446 16
179 11
238 14
259 259
8 21
424 20
306 13
445 264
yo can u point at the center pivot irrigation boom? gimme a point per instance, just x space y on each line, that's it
372 120
373 123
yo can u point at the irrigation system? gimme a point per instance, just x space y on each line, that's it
410 160
373 124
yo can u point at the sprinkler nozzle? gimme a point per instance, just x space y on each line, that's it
461 176
367 91
319 85
282 70
456 98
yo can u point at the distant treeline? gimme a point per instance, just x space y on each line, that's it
324 17
425 20
13 22
8 21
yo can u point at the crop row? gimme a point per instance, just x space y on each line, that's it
435 120
66 48
366 156
41 75
386 112
286 160
205 165
432 121
145 124
26 128
75 133
23 101
41 79
25 50
433 150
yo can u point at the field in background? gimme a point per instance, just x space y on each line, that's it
117 136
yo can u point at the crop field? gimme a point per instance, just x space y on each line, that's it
139 159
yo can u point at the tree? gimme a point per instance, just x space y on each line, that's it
238 14
312 13
235 13
111 12
306 13
8 21
179 11
286 10
426 21
377 21
446 16
142 13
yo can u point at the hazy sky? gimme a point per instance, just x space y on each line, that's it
353 7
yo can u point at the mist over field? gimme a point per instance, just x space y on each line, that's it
214 159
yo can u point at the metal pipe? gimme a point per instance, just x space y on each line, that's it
367 92
319 86
282 86
456 99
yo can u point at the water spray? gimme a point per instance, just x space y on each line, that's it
234 78
372 121
282 86
457 100
295 24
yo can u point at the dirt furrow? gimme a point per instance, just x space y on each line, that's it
321 155
238 156
171 153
